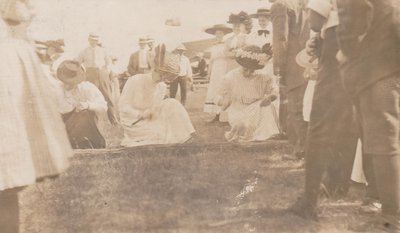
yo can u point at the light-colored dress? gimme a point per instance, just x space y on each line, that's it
33 139
218 68
249 121
232 44
170 122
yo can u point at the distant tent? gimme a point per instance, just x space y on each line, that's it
197 46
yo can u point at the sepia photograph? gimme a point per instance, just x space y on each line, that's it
199 116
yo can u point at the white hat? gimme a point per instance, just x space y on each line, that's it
181 47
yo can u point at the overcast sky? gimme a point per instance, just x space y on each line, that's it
122 22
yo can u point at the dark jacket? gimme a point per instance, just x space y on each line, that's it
377 55
289 38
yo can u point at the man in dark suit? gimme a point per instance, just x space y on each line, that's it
290 33
370 63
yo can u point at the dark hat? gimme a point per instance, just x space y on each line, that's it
218 27
252 57
70 69
242 17
262 12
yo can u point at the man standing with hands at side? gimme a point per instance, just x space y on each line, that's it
185 74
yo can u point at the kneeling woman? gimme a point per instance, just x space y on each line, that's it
79 101
146 115
247 93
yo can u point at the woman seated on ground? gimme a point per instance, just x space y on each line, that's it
247 93
146 115
79 101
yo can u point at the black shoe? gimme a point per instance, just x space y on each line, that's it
303 209
376 223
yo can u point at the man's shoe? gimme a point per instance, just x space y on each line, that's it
376 223
370 206
303 209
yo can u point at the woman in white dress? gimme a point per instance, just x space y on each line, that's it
218 68
147 117
33 140
241 25
247 93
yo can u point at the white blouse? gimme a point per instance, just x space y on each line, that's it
85 92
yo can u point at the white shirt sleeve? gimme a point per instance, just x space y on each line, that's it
95 99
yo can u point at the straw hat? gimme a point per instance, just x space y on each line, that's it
262 12
218 27
181 47
69 70
252 57
306 61
94 36
143 40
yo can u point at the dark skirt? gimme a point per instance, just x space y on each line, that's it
82 130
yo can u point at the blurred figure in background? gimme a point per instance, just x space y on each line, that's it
97 64
185 75
218 68
241 25
263 32
202 66
33 142
290 33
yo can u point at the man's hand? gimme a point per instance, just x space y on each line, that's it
82 106
312 47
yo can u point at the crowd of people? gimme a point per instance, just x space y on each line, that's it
323 74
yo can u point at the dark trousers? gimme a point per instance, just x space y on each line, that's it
9 211
332 134
379 110
173 89
296 126
82 130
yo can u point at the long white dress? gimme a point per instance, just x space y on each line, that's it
170 122
218 66
33 139
249 121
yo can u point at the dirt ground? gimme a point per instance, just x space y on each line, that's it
209 187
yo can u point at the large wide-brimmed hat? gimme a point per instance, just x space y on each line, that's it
218 27
262 12
70 69
252 57
306 61
242 17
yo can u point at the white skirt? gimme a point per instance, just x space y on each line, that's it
170 125
33 139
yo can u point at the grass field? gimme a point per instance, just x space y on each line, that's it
210 187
